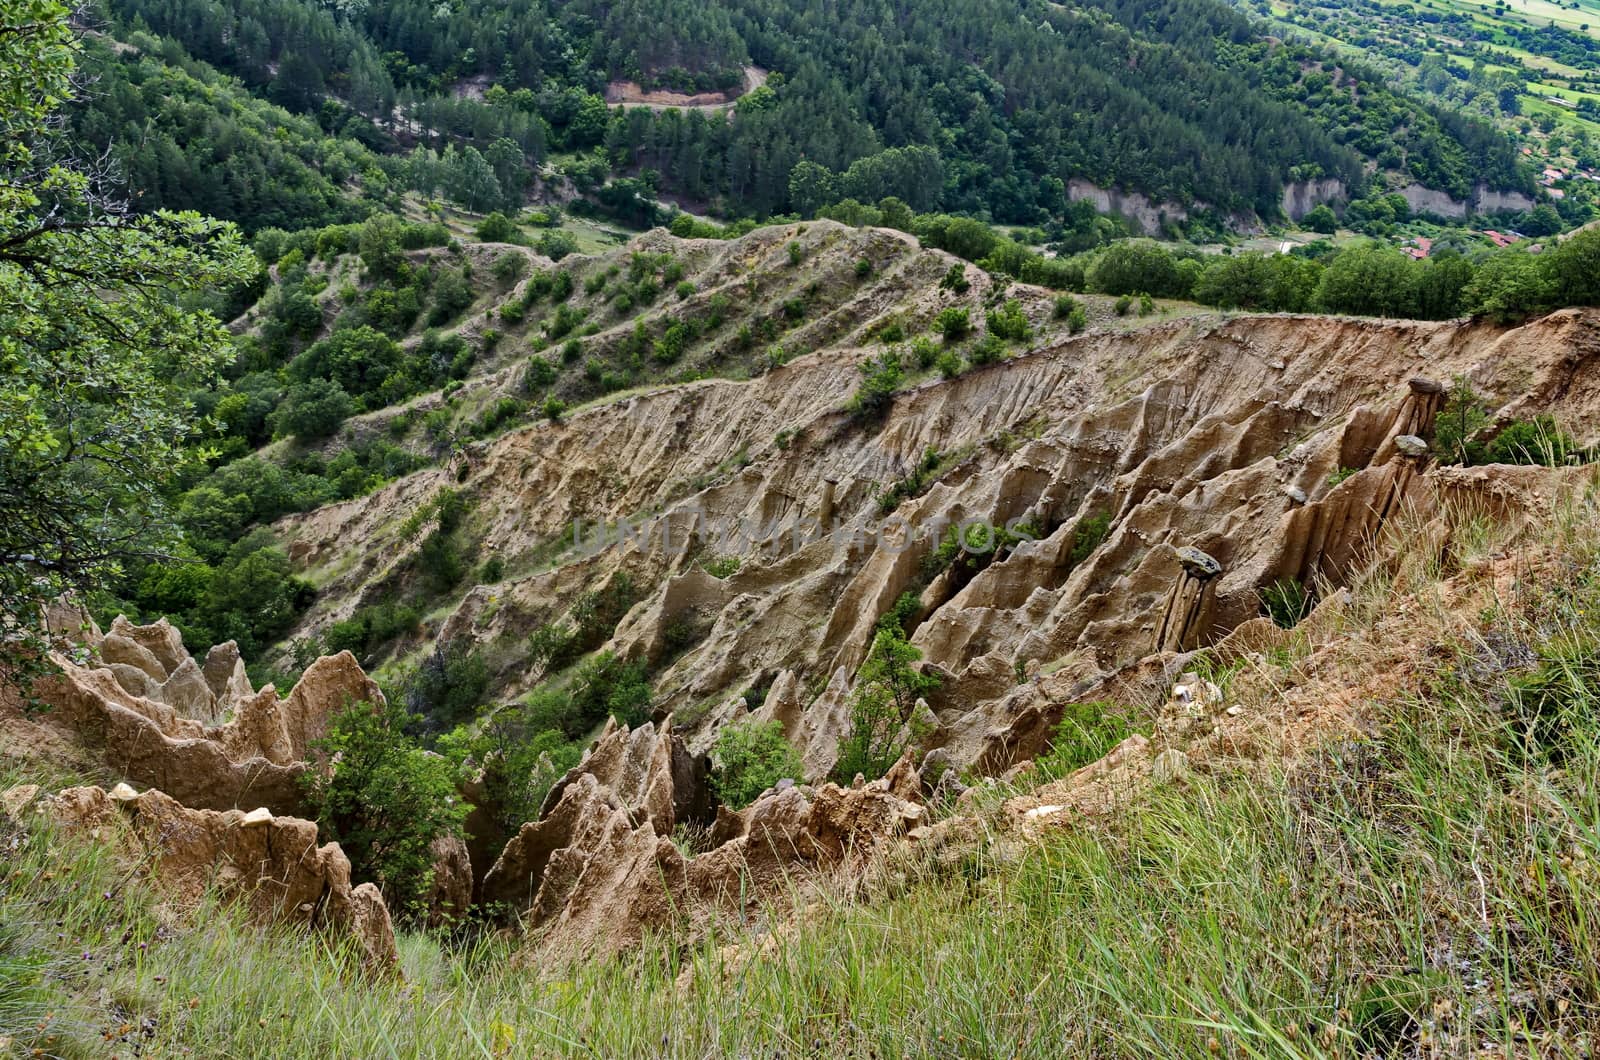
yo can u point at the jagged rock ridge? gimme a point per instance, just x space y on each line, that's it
1268 443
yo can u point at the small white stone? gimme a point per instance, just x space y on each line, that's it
1181 693
1235 711
1043 811
259 815
123 793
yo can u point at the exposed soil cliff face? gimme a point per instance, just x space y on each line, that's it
1151 482
1223 435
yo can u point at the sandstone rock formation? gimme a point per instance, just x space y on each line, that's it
1187 613
649 770
449 897
598 869
1269 443
272 865
197 732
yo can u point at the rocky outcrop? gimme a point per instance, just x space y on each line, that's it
1150 218
135 707
1483 200
449 896
1301 197
595 873
651 773
271 865
1267 442
1185 619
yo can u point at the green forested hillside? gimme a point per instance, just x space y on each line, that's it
1000 104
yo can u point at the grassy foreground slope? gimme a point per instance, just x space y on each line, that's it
1410 869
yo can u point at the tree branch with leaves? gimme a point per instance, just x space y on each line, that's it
98 346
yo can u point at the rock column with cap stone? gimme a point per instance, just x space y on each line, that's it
1411 459
1188 604
1324 538
1414 418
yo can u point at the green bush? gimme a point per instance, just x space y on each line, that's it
312 411
955 279
384 801
1458 424
358 360
748 758
979 546
554 645
1136 265
502 412
539 374
722 566
1371 281
962 236
508 268
986 350
1321 219
953 323
371 627
1009 322
565 320
1509 286
1086 733
452 295
609 684
448 686
556 245
1535 441
881 378
914 483
519 763
882 721
1286 602
902 614
440 563
1089 535
498 228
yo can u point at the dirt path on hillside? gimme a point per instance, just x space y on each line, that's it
629 94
